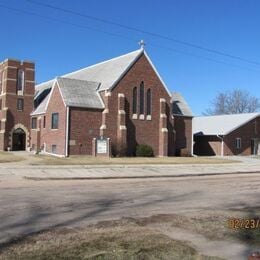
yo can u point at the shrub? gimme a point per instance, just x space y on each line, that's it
144 150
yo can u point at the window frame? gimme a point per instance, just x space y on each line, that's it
141 99
134 101
18 103
238 143
44 122
54 148
54 125
20 81
34 123
149 102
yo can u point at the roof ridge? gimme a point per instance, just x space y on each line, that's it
105 61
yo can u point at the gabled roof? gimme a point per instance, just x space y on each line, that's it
221 124
107 73
75 93
179 105
42 107
80 93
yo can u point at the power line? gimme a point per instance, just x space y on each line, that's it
146 32
121 36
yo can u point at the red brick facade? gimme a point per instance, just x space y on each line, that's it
249 134
118 121
15 121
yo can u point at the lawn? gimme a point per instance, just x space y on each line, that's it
119 241
89 160
9 157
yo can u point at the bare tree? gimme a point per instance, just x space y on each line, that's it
233 102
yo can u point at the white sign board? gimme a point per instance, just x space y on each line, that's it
101 146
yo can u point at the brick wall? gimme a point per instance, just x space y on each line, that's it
139 131
10 117
84 126
246 133
183 128
48 136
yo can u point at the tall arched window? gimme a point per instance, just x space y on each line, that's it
141 99
134 100
148 102
20 80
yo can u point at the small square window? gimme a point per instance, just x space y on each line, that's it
238 143
54 148
34 123
55 121
20 104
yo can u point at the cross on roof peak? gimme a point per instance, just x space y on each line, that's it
142 44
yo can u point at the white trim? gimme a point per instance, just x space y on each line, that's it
121 95
192 139
163 116
148 117
53 154
121 112
105 111
134 116
127 68
103 127
122 127
107 93
164 130
141 117
48 101
157 73
162 100
30 81
67 133
57 80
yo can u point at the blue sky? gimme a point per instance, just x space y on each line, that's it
230 26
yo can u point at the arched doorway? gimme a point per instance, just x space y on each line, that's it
19 138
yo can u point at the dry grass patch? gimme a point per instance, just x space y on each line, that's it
89 160
121 241
9 157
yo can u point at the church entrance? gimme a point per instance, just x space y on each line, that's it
19 139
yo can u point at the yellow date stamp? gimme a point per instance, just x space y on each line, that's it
243 223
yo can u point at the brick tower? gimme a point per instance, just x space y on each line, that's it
16 103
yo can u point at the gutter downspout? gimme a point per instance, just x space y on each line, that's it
222 144
192 137
67 133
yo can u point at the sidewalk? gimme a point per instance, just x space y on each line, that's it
60 172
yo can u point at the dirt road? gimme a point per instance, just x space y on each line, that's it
30 206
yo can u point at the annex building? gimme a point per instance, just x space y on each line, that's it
237 134
123 99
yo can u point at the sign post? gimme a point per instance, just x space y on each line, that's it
101 146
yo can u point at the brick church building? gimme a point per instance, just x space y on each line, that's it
123 99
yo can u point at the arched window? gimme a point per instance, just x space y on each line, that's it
20 80
148 102
141 99
134 100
